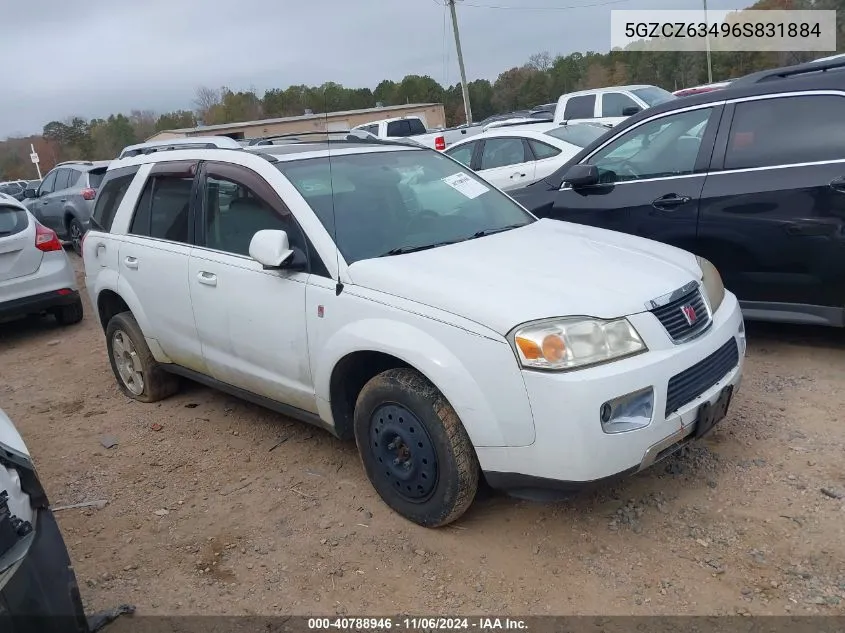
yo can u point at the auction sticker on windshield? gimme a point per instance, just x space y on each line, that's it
464 184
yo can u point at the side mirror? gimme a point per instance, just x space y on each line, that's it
581 175
30 193
270 248
630 110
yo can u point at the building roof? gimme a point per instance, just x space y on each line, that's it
303 117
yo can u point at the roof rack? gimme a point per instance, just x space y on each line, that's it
74 162
191 142
340 136
790 71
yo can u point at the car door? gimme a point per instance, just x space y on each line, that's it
55 208
251 321
611 107
39 205
650 179
548 158
773 207
506 162
154 261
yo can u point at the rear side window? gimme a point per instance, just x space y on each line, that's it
542 150
583 107
416 126
95 178
163 210
786 130
73 179
463 154
12 220
110 197
62 176
399 128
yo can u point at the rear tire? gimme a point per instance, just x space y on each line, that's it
138 374
75 233
69 314
415 450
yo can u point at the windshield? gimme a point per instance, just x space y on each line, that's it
653 95
391 202
12 220
578 134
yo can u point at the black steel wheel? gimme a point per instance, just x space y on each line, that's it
75 232
415 450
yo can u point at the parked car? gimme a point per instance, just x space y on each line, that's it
513 157
686 92
751 177
35 273
38 588
384 292
65 198
608 105
544 111
13 189
413 128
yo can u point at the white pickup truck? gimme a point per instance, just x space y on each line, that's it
608 105
413 127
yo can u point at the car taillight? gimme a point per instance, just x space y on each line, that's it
46 239
88 193
440 143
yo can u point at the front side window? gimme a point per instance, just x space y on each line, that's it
583 107
667 146
163 211
613 103
391 202
47 185
463 154
235 211
786 130
501 152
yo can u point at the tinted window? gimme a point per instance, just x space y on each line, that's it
583 107
49 181
500 152
612 103
12 220
95 178
463 154
786 131
653 95
579 135
110 197
62 176
542 150
234 213
375 202
416 126
667 146
398 128
163 210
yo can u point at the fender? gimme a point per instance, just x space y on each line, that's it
131 299
490 400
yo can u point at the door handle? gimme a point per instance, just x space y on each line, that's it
517 175
670 202
207 279
838 184
131 262
63 200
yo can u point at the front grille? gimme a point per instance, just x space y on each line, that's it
675 322
691 383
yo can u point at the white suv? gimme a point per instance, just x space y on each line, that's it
384 292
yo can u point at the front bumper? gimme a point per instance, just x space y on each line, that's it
572 450
39 593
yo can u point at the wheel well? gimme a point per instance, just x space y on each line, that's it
68 217
349 376
110 303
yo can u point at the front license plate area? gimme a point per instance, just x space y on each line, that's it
709 415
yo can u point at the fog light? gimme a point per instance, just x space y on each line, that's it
627 413
741 336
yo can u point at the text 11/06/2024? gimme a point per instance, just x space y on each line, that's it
433 623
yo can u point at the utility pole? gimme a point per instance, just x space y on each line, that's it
464 87
707 41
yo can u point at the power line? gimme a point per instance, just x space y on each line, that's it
579 6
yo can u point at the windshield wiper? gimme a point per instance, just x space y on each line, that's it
501 229
402 250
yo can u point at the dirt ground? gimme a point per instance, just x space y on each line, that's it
216 506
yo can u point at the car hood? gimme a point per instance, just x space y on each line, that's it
9 436
546 269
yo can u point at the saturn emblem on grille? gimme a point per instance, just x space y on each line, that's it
689 314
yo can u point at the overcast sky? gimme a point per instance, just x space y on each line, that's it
97 57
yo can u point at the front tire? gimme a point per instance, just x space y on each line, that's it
69 314
415 450
138 374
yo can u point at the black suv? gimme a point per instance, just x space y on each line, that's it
751 177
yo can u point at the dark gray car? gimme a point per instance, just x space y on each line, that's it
65 198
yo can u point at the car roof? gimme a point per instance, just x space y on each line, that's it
9 201
608 89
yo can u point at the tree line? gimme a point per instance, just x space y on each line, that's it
542 79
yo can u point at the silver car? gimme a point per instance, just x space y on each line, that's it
65 198
35 273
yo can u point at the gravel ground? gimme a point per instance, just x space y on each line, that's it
216 506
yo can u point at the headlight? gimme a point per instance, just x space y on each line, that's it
571 342
713 285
